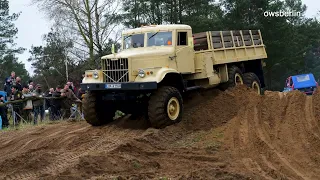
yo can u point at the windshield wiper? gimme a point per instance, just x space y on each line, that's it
153 35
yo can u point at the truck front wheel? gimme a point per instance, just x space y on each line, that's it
165 107
97 112
251 80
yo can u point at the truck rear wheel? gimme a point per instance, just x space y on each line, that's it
165 107
95 111
251 80
235 78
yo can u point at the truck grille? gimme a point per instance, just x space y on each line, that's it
117 70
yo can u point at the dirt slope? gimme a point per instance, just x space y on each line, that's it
223 136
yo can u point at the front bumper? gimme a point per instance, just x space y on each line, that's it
118 86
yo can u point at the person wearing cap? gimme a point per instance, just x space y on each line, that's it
38 104
17 107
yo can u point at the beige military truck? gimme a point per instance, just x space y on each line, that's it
158 63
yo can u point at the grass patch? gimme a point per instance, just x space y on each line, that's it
136 164
164 178
211 140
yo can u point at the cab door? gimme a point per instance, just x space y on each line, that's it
184 52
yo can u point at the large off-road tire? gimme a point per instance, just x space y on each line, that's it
95 111
165 107
251 80
235 77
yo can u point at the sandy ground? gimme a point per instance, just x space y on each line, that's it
224 135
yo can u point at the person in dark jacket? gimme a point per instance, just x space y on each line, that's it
17 107
3 114
56 104
80 94
18 83
9 82
49 104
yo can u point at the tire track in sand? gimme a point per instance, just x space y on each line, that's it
70 158
35 142
310 118
272 148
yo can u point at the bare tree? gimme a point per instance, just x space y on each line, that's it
91 20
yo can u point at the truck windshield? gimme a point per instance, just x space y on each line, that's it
133 41
159 39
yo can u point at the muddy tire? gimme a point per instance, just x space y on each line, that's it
235 77
165 107
251 80
95 111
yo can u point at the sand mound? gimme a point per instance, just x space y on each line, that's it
234 134
277 135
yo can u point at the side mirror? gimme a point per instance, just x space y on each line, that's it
112 48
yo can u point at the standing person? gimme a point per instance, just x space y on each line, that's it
17 107
70 85
18 83
27 110
10 81
31 89
50 104
68 102
38 108
80 94
56 104
3 114
31 82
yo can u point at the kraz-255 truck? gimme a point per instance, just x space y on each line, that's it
158 63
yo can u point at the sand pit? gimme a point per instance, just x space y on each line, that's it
224 135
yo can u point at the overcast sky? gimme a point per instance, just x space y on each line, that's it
32 24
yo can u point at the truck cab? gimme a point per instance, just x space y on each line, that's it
148 54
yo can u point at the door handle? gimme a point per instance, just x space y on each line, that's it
172 57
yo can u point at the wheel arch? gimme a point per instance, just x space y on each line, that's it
173 79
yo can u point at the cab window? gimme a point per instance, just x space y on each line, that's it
182 39
133 41
159 39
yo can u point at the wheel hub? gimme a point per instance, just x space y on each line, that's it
256 87
173 108
238 79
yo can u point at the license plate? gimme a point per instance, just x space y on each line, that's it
113 86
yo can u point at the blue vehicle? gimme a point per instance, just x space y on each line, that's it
304 82
4 94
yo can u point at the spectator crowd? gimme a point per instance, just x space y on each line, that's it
59 101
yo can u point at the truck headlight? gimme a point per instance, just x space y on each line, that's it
141 73
95 75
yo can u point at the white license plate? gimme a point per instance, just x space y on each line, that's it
113 86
